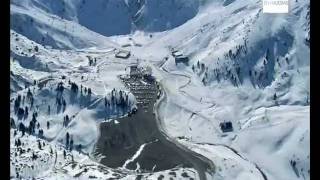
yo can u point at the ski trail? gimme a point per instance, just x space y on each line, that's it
135 156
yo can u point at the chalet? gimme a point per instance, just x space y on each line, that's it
123 54
176 53
179 57
182 59
226 126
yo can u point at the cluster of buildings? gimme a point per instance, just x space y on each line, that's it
140 72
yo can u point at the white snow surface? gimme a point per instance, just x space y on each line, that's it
255 74
51 163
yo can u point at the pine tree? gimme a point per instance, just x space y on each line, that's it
202 66
26 111
64 154
18 142
203 81
64 103
31 102
30 128
19 98
22 128
12 123
66 121
39 145
40 133
67 139
71 144
20 112
72 160
34 118
79 147
34 156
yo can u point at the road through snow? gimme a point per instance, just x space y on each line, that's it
197 113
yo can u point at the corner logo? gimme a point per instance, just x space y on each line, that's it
275 6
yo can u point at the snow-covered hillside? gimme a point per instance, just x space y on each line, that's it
31 157
241 66
68 23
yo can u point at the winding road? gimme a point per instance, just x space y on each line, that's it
208 161
140 142
201 163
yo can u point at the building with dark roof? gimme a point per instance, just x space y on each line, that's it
226 126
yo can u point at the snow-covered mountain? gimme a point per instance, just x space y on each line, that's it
69 23
242 66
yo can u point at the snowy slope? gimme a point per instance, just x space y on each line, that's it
41 70
49 29
246 67
113 17
47 161
269 109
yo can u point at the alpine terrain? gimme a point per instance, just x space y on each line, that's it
159 89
